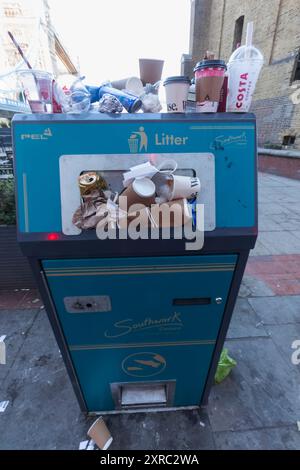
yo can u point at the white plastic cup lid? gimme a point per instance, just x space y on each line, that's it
144 187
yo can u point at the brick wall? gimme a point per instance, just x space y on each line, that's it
280 166
277 35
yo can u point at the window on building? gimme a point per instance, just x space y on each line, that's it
288 140
238 32
12 9
296 69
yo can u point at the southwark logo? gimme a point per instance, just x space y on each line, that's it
138 141
162 325
222 141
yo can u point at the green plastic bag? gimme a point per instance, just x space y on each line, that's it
226 364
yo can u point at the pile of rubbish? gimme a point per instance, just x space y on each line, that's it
145 186
216 87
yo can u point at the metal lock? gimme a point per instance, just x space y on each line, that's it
219 300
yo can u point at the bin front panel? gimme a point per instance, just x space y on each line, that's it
158 319
39 145
141 299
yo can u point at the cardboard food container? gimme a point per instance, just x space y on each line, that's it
175 213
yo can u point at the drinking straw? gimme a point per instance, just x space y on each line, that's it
19 49
249 36
25 60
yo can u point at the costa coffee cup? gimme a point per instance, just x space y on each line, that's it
177 90
209 77
100 434
140 191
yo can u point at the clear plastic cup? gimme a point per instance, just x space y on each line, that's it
244 67
37 87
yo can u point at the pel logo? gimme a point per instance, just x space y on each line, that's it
138 140
44 136
144 364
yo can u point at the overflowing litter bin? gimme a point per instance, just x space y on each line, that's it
140 322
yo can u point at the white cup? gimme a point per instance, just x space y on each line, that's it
167 167
100 434
177 90
135 86
184 187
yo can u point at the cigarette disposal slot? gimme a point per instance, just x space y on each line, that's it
143 394
192 301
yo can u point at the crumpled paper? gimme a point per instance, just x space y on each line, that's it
150 103
88 213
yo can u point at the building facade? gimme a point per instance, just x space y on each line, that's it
220 25
30 23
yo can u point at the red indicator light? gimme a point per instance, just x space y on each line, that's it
52 236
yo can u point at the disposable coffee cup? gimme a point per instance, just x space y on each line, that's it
140 191
209 77
100 434
177 90
172 214
162 179
168 166
207 107
150 70
184 187
132 84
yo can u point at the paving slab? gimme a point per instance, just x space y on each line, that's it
290 222
15 324
272 208
283 438
293 206
275 243
175 430
260 249
245 323
43 412
296 233
253 287
260 392
283 337
281 273
277 310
